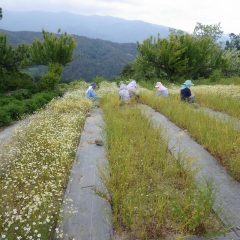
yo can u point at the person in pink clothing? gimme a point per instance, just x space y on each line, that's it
161 90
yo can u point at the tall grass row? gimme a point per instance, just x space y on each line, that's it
219 138
219 102
152 195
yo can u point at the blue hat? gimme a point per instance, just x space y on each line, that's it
188 83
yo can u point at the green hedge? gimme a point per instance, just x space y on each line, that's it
14 106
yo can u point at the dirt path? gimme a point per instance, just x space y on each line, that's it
7 132
86 216
5 140
227 190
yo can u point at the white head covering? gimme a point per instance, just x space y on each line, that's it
160 87
132 84
122 86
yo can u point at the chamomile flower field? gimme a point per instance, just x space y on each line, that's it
39 161
153 195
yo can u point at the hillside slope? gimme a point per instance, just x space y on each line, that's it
92 57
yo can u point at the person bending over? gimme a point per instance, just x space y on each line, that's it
90 93
185 92
161 90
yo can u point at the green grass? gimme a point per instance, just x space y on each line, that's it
219 102
219 138
14 107
222 80
152 195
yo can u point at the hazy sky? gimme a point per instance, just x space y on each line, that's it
181 14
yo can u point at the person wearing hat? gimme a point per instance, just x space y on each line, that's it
90 93
161 90
185 92
124 93
132 88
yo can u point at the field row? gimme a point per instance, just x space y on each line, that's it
153 195
219 138
219 97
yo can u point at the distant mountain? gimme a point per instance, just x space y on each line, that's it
92 57
102 27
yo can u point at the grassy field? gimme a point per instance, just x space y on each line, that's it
220 80
217 137
152 195
221 99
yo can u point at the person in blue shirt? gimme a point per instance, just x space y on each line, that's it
90 93
185 92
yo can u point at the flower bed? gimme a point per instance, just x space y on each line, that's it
40 158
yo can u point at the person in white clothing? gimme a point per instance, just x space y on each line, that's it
161 90
123 93
132 88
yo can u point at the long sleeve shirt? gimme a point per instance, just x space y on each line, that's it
185 93
90 93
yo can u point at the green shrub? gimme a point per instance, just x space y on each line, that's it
15 109
98 80
31 105
52 77
42 98
12 108
15 80
5 100
5 118
216 75
22 94
49 81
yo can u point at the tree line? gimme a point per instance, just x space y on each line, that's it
183 55
55 51
19 93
